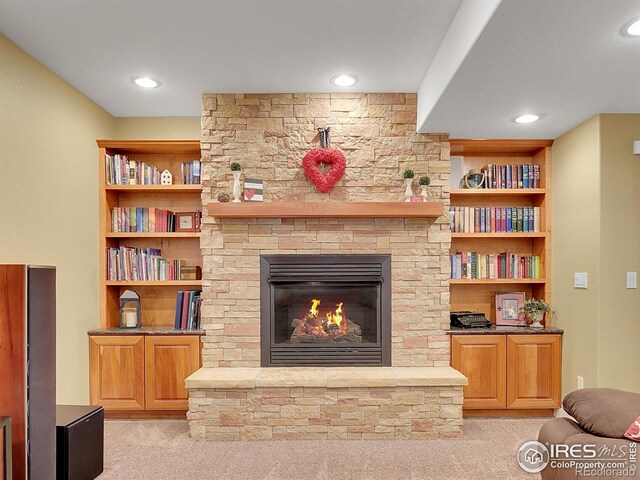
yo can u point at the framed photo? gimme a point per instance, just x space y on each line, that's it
508 307
187 222
253 190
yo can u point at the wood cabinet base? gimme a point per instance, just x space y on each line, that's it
503 412
140 376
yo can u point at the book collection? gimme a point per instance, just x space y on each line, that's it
142 219
511 176
190 172
128 264
122 170
188 304
478 266
494 219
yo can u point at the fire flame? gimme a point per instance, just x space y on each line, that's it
314 310
335 317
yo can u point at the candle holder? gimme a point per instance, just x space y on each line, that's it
130 316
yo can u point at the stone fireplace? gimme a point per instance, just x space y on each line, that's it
403 385
325 310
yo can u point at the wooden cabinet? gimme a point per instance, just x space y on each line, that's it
533 371
168 361
509 373
117 372
142 373
481 358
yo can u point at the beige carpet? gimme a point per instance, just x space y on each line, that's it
153 449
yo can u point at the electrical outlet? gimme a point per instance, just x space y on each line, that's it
580 382
632 279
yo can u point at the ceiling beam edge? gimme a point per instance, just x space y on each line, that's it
465 29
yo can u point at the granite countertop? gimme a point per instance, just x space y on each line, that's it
158 330
498 330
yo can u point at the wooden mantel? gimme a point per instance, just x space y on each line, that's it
322 210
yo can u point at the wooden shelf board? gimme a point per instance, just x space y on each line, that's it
325 209
156 283
152 235
499 235
497 281
152 146
155 188
495 147
506 192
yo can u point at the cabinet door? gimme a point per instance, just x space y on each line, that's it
482 359
533 369
169 360
117 371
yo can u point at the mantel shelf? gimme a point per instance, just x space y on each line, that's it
323 210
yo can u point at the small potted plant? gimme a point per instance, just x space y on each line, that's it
424 182
408 180
534 309
236 169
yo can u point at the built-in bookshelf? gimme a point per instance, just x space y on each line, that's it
478 294
151 202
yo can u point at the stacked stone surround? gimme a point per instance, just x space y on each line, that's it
269 134
325 403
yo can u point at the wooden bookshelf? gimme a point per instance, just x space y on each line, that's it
509 375
479 295
135 375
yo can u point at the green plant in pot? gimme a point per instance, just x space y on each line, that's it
534 310
236 169
408 180
424 182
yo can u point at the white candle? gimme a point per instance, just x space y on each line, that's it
130 318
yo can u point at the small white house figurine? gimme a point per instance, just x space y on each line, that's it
166 178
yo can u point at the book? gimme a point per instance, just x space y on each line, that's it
177 318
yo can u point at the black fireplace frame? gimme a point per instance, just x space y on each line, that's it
325 270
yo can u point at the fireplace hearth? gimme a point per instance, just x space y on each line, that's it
325 310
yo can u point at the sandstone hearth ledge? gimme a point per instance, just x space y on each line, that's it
329 377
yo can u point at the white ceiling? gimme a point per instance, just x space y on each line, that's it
563 59
198 46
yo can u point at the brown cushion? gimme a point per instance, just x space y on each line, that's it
605 412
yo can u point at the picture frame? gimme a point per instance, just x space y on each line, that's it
187 222
508 305
253 190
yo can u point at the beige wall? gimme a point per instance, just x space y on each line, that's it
575 247
619 315
49 193
49 198
596 229
137 128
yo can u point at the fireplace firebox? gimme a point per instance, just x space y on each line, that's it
325 310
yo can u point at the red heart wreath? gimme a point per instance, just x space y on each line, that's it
310 162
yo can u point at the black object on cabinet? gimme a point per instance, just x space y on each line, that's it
80 434
28 366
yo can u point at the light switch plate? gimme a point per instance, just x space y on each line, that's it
580 280
632 279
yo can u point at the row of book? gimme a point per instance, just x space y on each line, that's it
479 266
125 264
122 170
512 176
142 219
188 309
190 172
494 219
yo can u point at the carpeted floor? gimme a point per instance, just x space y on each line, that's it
154 449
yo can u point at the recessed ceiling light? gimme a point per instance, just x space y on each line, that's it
527 118
145 82
633 28
344 80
